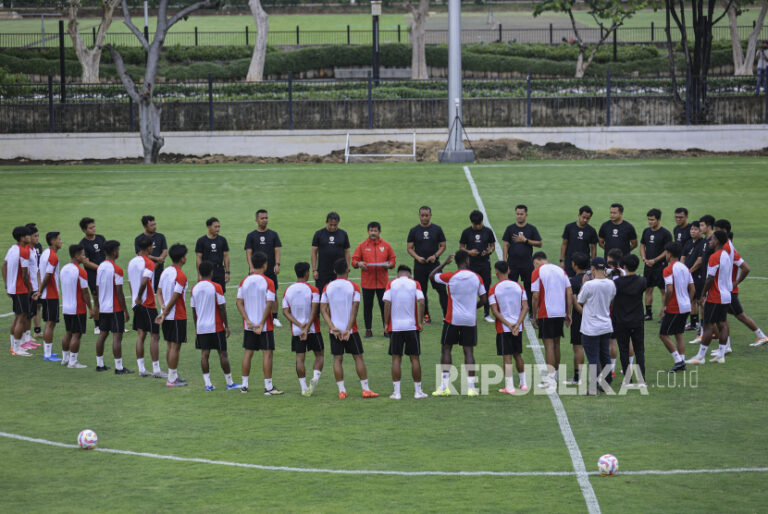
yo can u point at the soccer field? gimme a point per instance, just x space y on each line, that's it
492 453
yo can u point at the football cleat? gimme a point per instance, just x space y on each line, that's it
176 383
395 396
719 360
21 353
160 374
243 389
52 358
124 371
523 387
76 365
696 340
696 360
442 392
427 319
276 323
367 393
272 392
489 318
210 388
472 392
420 395
679 366
232 386
342 395
507 391
760 342
103 368
145 373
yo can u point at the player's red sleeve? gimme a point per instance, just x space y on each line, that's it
270 284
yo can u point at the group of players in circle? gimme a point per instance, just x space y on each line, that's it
695 264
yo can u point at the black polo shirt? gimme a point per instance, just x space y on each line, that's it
330 248
426 240
617 236
213 252
520 255
265 242
478 240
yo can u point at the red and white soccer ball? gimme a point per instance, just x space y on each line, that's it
87 439
608 465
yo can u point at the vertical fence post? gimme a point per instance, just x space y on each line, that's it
50 104
247 43
290 100
608 97
528 100
551 36
210 102
130 114
146 36
398 32
297 34
615 37
195 35
349 37
62 68
688 98
370 102
500 36
93 33
652 30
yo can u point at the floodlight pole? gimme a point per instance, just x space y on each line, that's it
454 149
375 12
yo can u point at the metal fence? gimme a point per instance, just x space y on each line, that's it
399 34
289 104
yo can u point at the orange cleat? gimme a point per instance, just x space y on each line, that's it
342 395
367 393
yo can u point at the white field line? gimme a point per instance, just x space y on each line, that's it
198 460
6 315
562 418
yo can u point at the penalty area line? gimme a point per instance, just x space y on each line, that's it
198 460
562 417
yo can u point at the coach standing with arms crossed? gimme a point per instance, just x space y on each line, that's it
328 245
268 242
426 242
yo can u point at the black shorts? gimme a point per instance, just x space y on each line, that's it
92 286
575 328
112 322
408 340
175 330
457 334
672 323
255 342
75 323
551 328
354 345
270 274
735 308
32 307
144 319
314 343
698 287
714 313
221 280
50 310
508 343
654 276
20 303
213 341
484 271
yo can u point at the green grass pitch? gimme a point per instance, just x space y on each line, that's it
718 424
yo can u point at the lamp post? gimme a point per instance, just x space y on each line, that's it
375 12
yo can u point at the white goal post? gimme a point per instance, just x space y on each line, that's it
348 155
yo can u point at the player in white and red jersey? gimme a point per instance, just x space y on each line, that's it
404 311
75 303
301 305
509 305
171 289
35 250
551 305
141 275
49 292
209 311
255 297
675 304
460 323
18 287
339 304
718 287
112 311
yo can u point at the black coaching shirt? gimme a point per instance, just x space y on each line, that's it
579 241
478 240
330 248
94 251
264 242
426 240
213 252
158 245
520 255
682 235
655 241
692 251
617 236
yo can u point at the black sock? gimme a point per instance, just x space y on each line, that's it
694 319
37 330
274 315
649 310
576 375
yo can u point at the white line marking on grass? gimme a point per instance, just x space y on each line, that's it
198 460
6 315
562 418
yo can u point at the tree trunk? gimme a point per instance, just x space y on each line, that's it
743 61
580 63
256 69
149 126
418 41
89 58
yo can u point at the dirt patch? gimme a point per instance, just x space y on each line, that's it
485 150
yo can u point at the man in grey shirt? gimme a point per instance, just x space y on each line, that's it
761 56
594 301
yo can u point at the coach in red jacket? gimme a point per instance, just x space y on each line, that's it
374 257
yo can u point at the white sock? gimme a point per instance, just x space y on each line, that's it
12 339
509 382
207 379
676 356
47 347
364 384
228 378
268 384
244 381
140 363
682 357
554 375
471 382
721 350
27 336
172 376
446 377
702 351
118 363
631 360
613 364
65 356
759 333
521 374
340 385
317 374
396 385
417 387
728 342
303 383
100 361
72 358
156 367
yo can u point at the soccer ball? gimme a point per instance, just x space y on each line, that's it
87 439
608 465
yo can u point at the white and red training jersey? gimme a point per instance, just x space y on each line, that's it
720 266
108 276
17 258
34 261
464 287
255 291
551 283
509 296
678 276
140 267
403 293
340 295
737 262
173 280
205 299
73 280
299 297
49 263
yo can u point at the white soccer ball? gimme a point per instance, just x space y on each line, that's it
87 439
608 465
